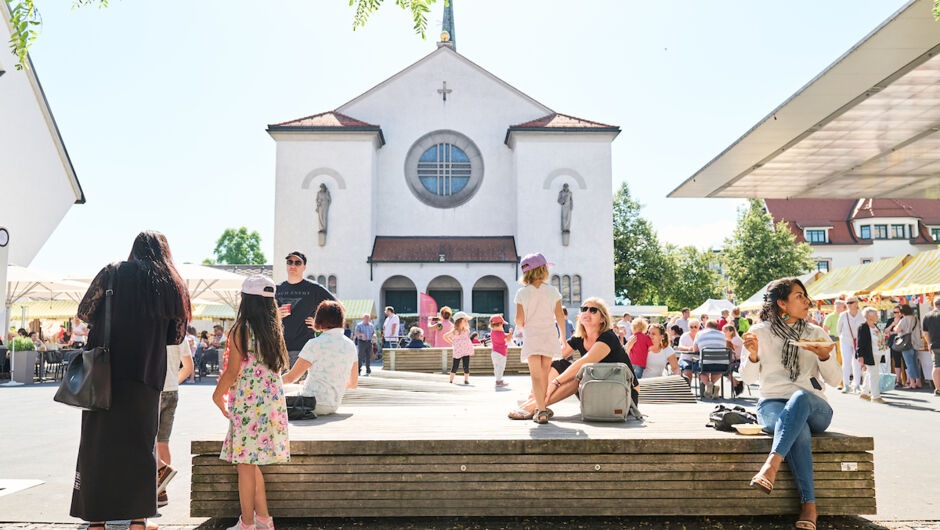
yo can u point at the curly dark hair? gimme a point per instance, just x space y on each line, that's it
778 290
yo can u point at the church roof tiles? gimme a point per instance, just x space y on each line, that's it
325 120
472 249
563 121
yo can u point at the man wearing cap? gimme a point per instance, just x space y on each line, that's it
297 300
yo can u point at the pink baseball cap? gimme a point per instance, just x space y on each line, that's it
259 285
534 261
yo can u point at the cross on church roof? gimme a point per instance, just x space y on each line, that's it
444 90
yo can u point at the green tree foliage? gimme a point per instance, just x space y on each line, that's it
646 272
638 262
691 276
419 10
238 247
759 252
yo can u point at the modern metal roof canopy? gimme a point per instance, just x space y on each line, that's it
867 126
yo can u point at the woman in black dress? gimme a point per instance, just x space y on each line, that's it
115 478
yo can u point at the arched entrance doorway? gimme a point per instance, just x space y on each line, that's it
489 295
446 290
400 293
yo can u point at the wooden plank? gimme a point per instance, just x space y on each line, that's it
521 477
719 468
374 460
325 496
687 507
828 442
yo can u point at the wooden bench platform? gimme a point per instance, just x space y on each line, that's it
440 360
465 458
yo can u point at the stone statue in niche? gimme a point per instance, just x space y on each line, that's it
565 199
323 209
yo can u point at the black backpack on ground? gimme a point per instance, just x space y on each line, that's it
722 418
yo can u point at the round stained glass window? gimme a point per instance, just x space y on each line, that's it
444 169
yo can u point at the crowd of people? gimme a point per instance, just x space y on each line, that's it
295 331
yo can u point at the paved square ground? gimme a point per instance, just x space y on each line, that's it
39 441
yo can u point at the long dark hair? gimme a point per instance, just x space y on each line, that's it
260 314
776 291
160 289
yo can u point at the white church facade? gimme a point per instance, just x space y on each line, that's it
438 180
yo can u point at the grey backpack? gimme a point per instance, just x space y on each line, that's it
605 392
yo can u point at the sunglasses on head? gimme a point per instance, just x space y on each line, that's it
295 262
593 310
853 302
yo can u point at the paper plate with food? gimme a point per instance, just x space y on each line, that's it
817 342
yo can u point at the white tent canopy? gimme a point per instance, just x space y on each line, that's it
712 307
638 310
757 299
25 283
211 284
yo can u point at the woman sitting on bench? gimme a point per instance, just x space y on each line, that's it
596 342
793 401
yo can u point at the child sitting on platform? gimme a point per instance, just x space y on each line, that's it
459 337
257 412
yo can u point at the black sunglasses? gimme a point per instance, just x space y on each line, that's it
295 262
593 310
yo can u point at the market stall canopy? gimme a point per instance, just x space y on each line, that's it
921 275
23 283
356 308
857 279
756 300
211 284
712 307
45 309
867 126
639 310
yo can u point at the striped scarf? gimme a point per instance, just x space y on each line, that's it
789 334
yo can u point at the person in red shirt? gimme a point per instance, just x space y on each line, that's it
723 320
639 345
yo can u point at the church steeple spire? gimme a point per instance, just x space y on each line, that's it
448 37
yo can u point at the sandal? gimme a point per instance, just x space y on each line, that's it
521 414
542 416
805 525
761 483
95 525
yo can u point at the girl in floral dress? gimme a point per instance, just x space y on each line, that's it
257 413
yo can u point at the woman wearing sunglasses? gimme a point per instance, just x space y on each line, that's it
596 342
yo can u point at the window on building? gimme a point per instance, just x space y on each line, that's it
321 279
566 290
576 289
332 284
815 236
898 232
866 261
822 265
444 169
866 232
881 231
935 234
556 282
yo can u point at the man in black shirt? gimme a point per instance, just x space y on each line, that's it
298 299
931 327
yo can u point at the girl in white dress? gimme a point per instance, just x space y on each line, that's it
539 316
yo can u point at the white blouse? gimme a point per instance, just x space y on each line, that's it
772 375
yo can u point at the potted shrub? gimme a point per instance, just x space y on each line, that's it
24 359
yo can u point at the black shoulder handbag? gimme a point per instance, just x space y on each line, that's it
722 418
301 407
903 341
87 381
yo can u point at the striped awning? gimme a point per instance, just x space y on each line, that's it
213 312
356 308
921 275
49 309
857 279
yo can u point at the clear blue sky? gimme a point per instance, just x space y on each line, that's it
163 105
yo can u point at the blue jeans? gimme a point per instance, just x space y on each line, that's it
638 370
792 422
912 363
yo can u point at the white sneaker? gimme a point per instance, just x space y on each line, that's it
709 390
241 526
846 389
717 393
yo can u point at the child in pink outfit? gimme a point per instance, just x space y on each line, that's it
459 337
